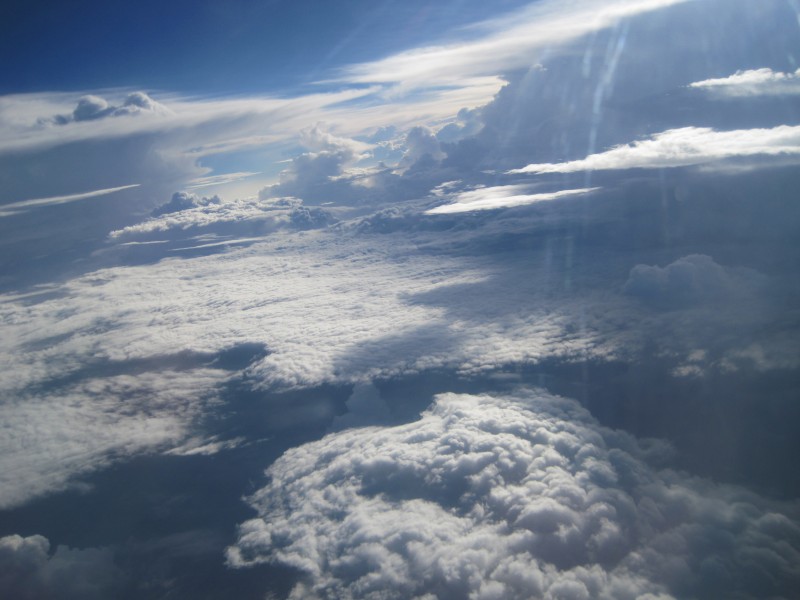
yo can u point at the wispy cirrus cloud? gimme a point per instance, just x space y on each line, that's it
25 205
501 44
683 147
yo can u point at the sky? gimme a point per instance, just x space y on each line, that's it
400 299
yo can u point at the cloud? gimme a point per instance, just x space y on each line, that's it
28 570
505 196
25 205
683 147
694 279
755 82
420 142
57 433
183 201
92 107
512 496
187 212
503 44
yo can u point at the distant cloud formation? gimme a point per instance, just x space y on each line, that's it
755 82
30 570
92 107
691 280
683 147
511 496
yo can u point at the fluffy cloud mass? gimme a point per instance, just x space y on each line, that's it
513 496
681 148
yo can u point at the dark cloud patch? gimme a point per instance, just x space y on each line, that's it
694 279
29 570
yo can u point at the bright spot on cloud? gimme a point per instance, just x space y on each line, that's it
682 147
503 196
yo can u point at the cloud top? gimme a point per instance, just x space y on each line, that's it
521 496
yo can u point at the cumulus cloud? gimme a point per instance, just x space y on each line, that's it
505 196
683 147
319 171
694 279
755 82
29 570
184 201
92 107
420 142
515 496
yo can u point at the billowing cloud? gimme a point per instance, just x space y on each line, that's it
92 107
755 82
505 196
511 496
683 147
420 142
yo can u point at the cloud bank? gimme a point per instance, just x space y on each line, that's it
514 496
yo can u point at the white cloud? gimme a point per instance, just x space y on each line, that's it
186 211
755 82
505 196
683 147
24 205
516 496
506 43
53 435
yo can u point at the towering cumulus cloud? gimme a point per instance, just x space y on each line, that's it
515 496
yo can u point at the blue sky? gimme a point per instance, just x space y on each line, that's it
243 46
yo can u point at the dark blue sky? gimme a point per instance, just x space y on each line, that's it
204 46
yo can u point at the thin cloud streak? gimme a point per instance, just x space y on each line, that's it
504 196
755 82
682 147
23 205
